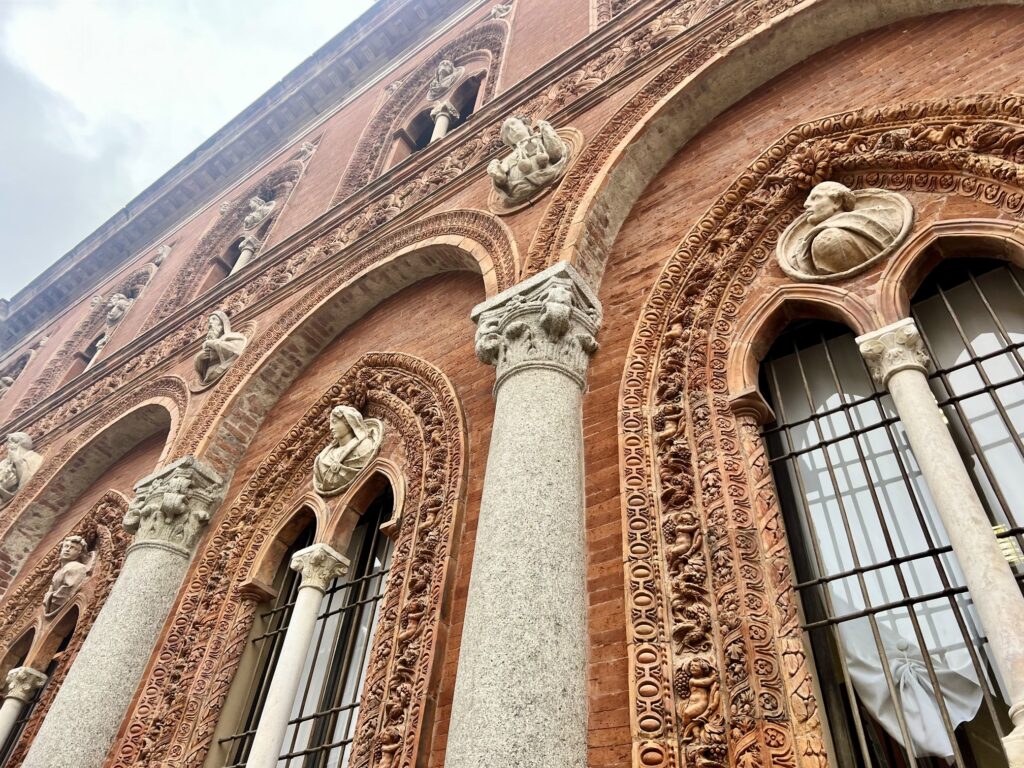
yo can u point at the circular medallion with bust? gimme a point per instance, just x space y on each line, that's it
76 562
354 443
842 232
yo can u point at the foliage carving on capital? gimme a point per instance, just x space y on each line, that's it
897 347
550 320
319 565
173 505
23 682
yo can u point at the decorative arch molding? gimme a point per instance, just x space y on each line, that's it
277 186
152 407
192 669
84 334
450 241
21 610
486 39
755 41
709 587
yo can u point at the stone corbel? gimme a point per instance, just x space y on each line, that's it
172 506
549 320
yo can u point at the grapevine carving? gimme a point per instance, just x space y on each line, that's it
173 720
22 608
721 676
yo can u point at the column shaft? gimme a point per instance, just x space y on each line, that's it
897 358
440 127
170 510
521 687
319 566
10 711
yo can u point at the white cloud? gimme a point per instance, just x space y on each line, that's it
152 78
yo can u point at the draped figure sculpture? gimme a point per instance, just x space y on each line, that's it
220 349
76 562
539 158
355 442
17 469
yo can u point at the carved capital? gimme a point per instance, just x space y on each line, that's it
23 682
897 347
172 506
444 108
249 243
549 321
319 565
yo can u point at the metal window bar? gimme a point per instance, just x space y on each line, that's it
328 701
846 455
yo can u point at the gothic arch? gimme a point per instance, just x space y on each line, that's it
21 607
486 39
193 668
450 241
755 42
84 334
693 466
151 408
277 186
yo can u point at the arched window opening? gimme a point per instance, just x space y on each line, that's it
903 664
414 137
326 709
465 99
83 359
57 644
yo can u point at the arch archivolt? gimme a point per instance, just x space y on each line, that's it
718 661
739 47
482 45
192 669
450 241
21 610
84 456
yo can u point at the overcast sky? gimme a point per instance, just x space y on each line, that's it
98 98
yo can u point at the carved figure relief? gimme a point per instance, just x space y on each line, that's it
259 209
220 349
445 79
76 563
539 158
843 232
18 468
117 308
355 441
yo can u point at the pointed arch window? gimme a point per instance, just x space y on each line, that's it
325 711
902 660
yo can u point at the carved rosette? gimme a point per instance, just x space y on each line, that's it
897 347
172 506
548 321
23 682
319 565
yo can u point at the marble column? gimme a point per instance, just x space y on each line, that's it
22 685
897 359
443 114
247 247
168 514
521 688
319 566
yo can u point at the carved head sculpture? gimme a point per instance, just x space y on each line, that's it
826 200
842 232
216 325
117 307
259 209
445 69
445 77
74 548
220 349
355 441
514 130
75 566
6 382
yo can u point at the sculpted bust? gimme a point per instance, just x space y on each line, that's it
18 468
355 442
539 158
75 567
445 77
117 308
220 349
842 232
259 209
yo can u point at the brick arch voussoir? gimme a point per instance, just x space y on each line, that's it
192 669
693 464
453 240
753 42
